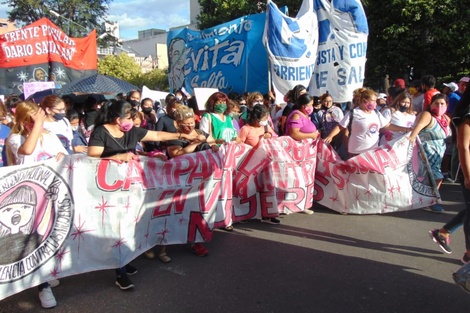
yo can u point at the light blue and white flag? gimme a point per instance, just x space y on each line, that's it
292 46
342 47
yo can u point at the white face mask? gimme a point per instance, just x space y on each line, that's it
263 123
75 128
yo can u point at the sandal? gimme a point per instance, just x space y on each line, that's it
228 228
164 258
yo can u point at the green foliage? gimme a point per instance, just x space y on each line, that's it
121 66
156 80
84 13
215 12
124 67
426 35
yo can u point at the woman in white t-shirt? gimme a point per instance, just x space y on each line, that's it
401 116
56 122
28 143
363 123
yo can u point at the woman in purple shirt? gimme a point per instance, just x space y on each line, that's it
299 125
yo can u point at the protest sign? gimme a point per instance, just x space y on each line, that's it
84 214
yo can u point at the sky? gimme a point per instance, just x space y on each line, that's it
133 16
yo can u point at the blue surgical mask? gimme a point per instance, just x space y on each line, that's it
58 116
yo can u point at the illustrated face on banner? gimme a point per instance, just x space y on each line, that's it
40 74
17 209
177 59
30 217
16 215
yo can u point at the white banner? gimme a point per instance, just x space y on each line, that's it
342 49
154 95
292 45
390 178
83 214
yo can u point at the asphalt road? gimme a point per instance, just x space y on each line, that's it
325 262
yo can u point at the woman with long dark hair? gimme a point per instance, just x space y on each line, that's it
115 137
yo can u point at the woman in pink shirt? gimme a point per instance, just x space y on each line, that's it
299 125
257 127
252 132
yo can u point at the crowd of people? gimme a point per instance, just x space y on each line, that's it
128 126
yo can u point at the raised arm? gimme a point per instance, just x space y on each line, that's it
31 141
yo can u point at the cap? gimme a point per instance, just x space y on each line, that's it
399 82
464 79
382 96
452 86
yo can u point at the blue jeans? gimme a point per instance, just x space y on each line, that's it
457 221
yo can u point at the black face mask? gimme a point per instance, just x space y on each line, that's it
147 110
402 108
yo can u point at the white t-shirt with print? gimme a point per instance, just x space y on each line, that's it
399 119
365 129
62 129
47 147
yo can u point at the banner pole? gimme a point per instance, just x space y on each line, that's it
428 169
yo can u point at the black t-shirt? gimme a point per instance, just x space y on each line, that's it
166 124
90 118
112 145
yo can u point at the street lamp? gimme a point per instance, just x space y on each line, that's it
60 15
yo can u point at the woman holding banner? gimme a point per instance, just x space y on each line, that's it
115 138
402 118
363 124
299 126
215 122
29 143
185 124
432 127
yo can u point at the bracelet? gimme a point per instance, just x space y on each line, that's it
179 138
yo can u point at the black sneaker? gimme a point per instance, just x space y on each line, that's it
272 220
130 270
124 282
441 240
465 259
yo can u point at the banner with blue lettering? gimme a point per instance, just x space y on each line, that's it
230 57
343 32
292 46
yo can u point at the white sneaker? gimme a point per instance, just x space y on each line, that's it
307 211
47 298
54 283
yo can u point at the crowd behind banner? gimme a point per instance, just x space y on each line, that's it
104 214
101 182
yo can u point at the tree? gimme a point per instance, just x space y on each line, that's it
215 12
84 14
121 66
156 79
427 36
124 67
